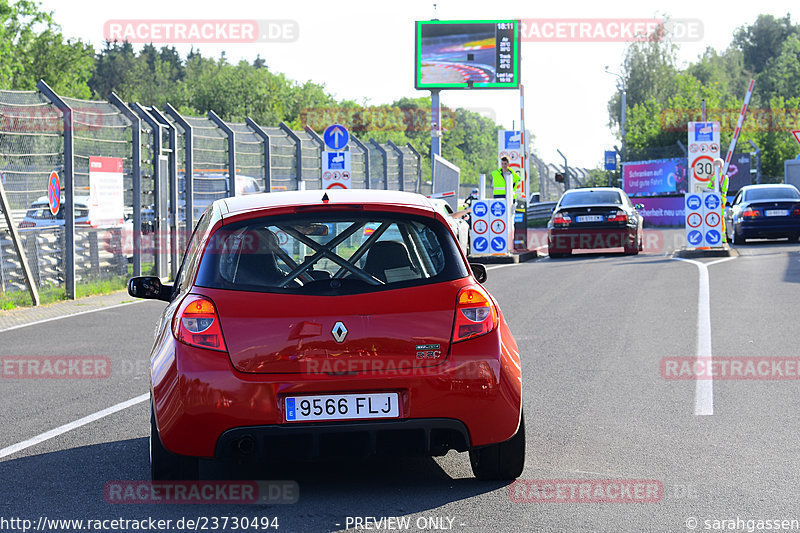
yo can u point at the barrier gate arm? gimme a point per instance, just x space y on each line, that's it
4 205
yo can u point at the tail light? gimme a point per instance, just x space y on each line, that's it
476 314
562 218
618 216
197 324
750 213
26 224
796 211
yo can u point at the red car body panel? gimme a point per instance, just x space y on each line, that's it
198 393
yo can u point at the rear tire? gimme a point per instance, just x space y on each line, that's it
500 461
165 465
794 238
737 238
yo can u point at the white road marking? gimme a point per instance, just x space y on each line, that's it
495 267
68 316
14 448
704 388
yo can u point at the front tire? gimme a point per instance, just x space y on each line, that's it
165 465
500 461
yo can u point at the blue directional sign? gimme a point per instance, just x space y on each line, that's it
611 160
712 201
335 161
694 237
499 244
512 140
498 208
479 209
694 202
336 137
713 237
704 131
480 244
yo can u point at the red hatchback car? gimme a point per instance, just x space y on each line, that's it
289 335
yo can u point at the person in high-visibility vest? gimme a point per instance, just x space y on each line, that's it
499 179
723 192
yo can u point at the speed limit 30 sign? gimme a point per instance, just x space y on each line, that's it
703 150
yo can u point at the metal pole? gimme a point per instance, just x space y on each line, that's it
172 131
136 175
382 150
758 161
481 186
259 131
298 152
188 165
624 112
365 149
436 126
566 170
231 137
400 161
17 242
418 186
68 185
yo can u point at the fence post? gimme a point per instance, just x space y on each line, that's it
365 149
400 163
29 281
136 175
231 137
68 184
158 211
382 151
172 131
258 130
418 186
188 165
298 152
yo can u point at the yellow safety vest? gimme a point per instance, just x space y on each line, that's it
499 182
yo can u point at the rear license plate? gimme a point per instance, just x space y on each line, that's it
776 212
342 407
589 218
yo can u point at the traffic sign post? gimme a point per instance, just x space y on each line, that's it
489 232
704 140
703 213
336 171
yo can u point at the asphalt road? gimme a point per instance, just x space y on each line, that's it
594 331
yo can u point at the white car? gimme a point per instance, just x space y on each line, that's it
456 220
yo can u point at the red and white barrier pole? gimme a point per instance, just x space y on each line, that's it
739 123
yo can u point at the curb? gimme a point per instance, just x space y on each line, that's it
693 253
516 257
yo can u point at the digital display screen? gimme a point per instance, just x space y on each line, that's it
466 54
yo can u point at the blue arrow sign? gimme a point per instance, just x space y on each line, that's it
693 202
712 201
480 244
336 137
498 208
499 244
479 209
694 237
713 237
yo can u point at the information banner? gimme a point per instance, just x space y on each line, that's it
106 196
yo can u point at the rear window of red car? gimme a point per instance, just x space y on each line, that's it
324 253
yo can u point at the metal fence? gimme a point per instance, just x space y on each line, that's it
42 132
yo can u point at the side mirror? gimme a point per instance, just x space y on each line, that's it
639 206
479 271
150 288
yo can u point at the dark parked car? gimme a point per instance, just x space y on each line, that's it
599 217
770 211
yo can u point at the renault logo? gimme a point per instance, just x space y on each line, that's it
339 331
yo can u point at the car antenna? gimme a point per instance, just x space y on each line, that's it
325 197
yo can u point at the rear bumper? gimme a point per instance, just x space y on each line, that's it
562 240
433 436
202 404
768 229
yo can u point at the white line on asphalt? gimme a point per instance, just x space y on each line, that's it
704 388
14 448
501 266
67 316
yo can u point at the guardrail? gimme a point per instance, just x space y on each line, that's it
540 210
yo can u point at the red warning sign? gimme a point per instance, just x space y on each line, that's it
712 219
498 226
694 220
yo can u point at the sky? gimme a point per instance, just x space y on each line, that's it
364 51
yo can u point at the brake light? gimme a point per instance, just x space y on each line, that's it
796 211
197 324
618 216
476 314
750 213
26 224
562 218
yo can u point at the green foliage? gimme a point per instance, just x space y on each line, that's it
662 99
